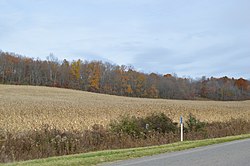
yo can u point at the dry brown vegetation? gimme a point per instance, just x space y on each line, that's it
29 108
39 122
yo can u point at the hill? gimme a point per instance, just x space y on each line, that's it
30 107
107 78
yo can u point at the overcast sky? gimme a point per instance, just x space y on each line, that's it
187 37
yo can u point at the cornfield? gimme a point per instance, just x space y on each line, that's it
24 108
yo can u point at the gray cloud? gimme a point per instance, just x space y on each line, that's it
191 38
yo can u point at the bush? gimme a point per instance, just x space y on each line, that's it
128 125
139 127
193 124
159 123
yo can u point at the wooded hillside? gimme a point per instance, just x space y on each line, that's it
107 78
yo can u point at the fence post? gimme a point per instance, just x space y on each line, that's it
181 128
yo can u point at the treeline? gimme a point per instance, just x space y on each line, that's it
100 77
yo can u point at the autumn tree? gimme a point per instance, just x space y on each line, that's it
242 84
94 76
75 73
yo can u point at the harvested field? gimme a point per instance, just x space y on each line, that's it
29 107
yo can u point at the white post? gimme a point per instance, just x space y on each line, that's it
181 129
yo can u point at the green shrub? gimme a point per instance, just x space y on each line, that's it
193 124
128 125
159 123
138 127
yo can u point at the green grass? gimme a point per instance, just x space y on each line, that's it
93 158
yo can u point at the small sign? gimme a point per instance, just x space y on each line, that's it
181 119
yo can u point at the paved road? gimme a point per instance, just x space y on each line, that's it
236 153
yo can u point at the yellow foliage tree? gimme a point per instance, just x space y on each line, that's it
94 76
75 69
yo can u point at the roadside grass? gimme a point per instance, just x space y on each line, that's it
94 158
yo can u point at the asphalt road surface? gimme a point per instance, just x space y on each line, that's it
236 153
